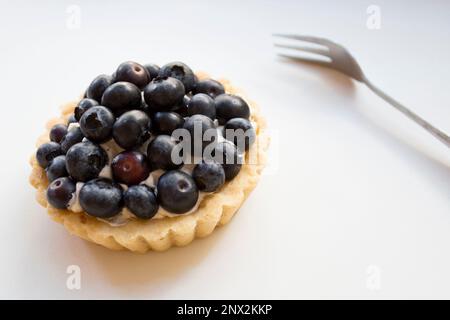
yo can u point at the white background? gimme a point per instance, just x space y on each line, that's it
357 205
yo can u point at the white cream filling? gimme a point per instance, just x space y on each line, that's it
125 215
73 126
112 149
74 204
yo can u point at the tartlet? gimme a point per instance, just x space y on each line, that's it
160 234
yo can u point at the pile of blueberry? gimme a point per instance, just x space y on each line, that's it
138 108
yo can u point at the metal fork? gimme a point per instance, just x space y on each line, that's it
341 60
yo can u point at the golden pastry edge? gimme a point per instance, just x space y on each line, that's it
161 234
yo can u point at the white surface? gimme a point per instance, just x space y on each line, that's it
359 190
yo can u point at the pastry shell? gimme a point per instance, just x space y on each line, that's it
160 234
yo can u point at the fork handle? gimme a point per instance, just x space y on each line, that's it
441 136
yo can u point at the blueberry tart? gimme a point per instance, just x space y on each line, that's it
150 157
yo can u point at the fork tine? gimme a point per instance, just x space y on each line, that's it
316 40
306 60
305 49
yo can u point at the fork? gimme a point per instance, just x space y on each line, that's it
339 59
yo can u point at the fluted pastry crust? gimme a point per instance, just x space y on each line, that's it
161 234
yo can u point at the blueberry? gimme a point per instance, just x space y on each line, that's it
180 71
177 192
57 168
240 131
167 122
132 72
101 198
159 153
152 69
209 176
132 129
210 87
72 137
60 192
150 110
202 104
229 106
97 124
130 167
202 132
122 96
146 108
120 112
83 106
228 156
85 160
182 107
47 152
163 93
98 86
141 201
58 132
71 119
